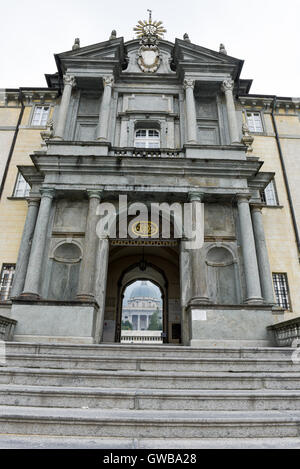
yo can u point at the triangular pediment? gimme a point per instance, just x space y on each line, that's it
192 58
108 54
188 52
103 50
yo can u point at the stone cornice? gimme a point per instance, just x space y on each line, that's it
266 103
29 96
108 165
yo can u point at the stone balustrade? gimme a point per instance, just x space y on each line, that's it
141 337
147 153
7 327
286 333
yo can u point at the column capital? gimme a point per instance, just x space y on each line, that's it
47 192
94 194
256 207
243 198
227 85
33 201
196 196
69 80
108 81
188 83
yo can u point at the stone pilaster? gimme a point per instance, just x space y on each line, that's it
199 293
34 270
69 82
25 246
249 251
87 270
262 255
102 257
191 118
102 129
227 88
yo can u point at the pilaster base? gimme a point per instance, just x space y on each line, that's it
230 325
55 321
29 296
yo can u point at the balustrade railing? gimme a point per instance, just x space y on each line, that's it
147 153
7 327
286 333
141 337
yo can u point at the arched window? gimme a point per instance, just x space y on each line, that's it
147 138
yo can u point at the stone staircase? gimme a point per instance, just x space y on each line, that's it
132 396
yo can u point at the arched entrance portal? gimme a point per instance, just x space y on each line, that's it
157 264
150 273
142 313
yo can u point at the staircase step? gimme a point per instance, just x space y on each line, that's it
147 399
57 442
144 363
148 424
150 379
136 350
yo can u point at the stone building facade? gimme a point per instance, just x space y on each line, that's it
157 122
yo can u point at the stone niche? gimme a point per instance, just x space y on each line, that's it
222 275
65 268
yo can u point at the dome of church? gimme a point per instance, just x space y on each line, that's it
145 290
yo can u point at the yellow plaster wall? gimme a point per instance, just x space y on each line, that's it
13 212
277 221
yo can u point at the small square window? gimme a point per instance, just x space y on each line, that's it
254 122
6 280
281 289
40 116
22 188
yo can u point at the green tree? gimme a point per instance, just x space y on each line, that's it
127 326
155 323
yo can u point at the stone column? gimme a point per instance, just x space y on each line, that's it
191 119
86 290
262 255
102 129
227 88
101 269
199 292
69 82
25 246
249 251
34 270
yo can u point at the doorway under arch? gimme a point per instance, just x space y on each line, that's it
152 274
142 313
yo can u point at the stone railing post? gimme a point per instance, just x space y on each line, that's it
25 246
34 270
227 88
87 270
262 255
191 118
102 129
249 251
69 82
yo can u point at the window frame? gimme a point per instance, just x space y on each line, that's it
262 131
34 108
275 194
11 275
25 195
147 138
277 292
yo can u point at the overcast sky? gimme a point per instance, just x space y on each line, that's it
264 33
